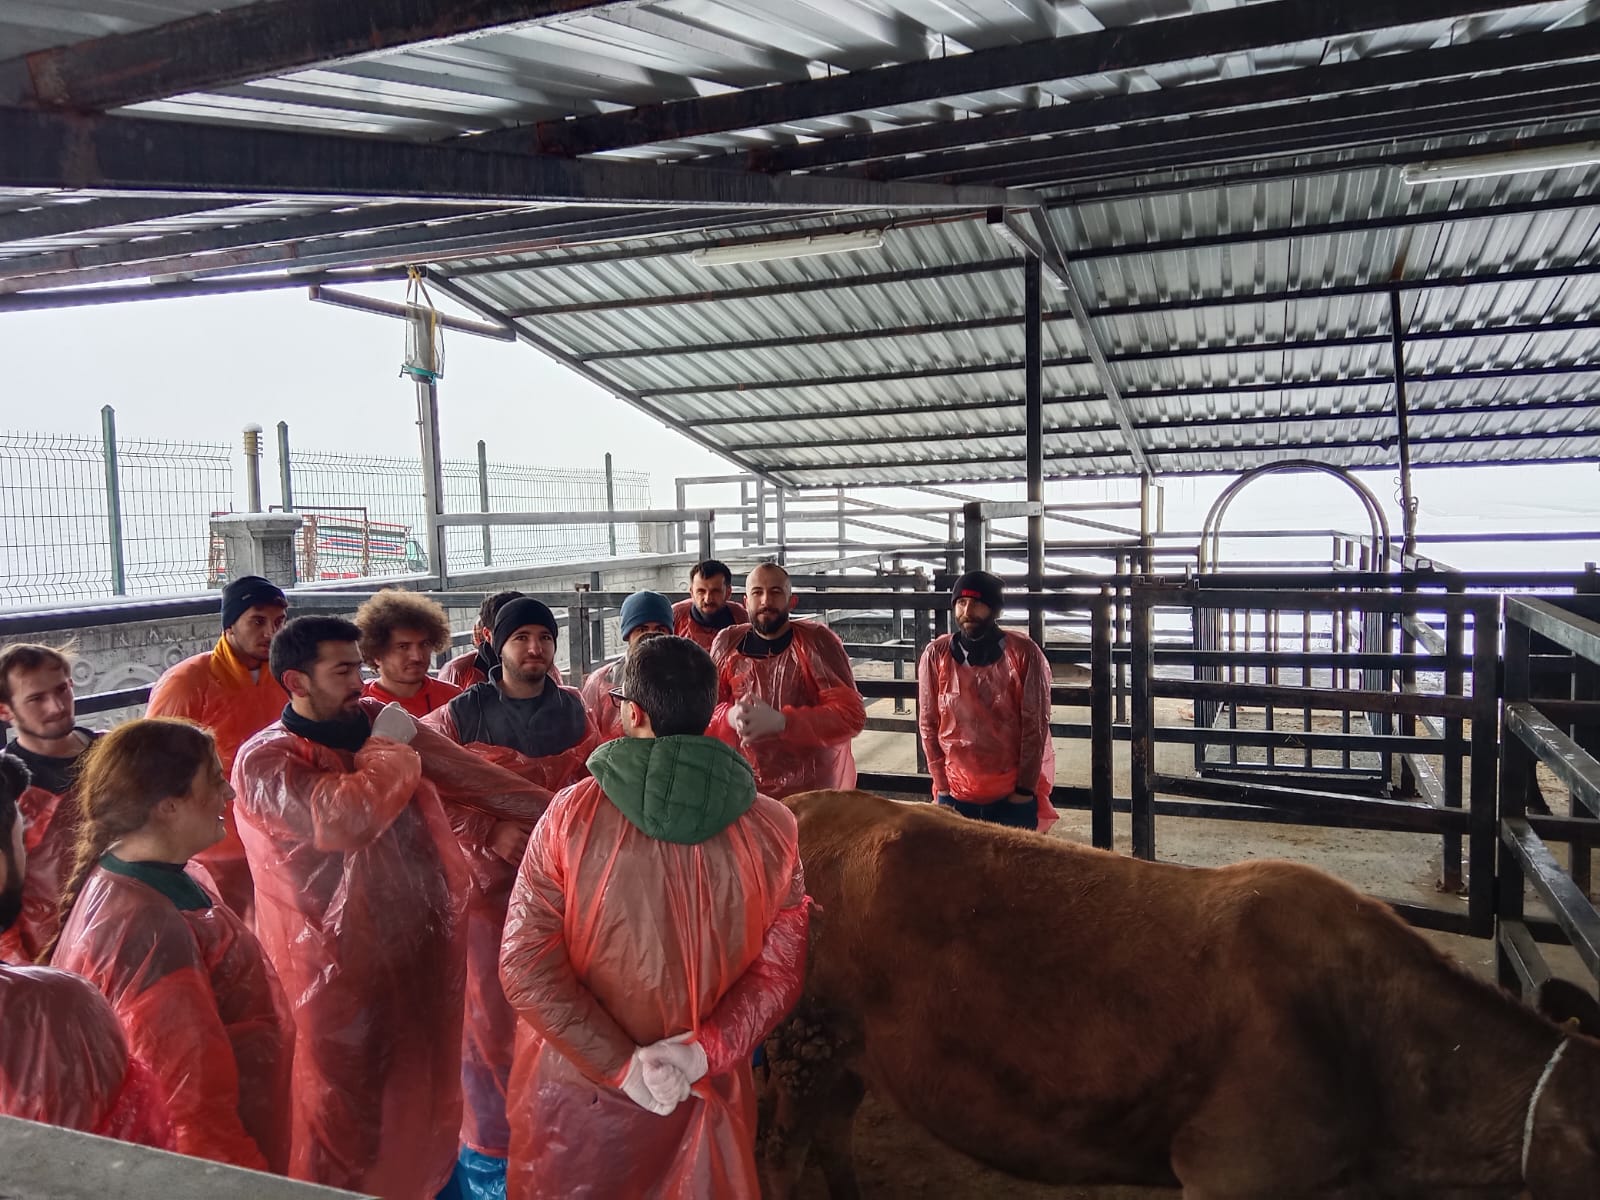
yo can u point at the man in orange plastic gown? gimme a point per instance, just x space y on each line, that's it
230 691
36 700
362 897
524 721
63 1060
983 712
786 696
708 610
661 910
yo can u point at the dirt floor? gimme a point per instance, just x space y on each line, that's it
898 1159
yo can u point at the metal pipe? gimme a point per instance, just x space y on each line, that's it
1408 505
252 467
611 507
483 500
1033 354
285 470
432 474
108 443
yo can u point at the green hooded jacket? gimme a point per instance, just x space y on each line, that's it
681 789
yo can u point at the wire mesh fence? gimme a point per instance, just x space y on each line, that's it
61 510
86 517
364 515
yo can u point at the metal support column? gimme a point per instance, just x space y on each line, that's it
108 442
1033 342
683 526
432 475
285 468
1408 505
483 501
839 493
761 511
1142 744
252 467
975 537
611 507
707 536
781 501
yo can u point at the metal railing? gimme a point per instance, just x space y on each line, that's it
1551 719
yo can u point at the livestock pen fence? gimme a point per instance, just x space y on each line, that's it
1373 701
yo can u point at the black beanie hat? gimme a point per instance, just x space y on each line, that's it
244 593
524 610
979 585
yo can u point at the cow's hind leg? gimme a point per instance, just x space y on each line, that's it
814 1098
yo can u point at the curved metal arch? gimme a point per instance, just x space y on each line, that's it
1211 530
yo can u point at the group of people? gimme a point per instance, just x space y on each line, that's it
471 935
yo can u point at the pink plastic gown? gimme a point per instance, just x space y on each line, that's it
201 1005
362 899
51 839
616 940
605 712
218 691
811 682
490 1029
684 624
64 1062
986 730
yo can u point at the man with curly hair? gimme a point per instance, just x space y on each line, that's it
400 633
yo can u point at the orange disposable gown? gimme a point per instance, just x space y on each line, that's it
362 909
605 712
684 624
812 684
467 670
433 694
201 1005
986 730
51 840
616 940
216 690
490 1029
64 1062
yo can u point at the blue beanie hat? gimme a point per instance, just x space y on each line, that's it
642 608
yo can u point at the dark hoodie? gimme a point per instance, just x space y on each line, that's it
684 789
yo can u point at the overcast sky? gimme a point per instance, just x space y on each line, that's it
202 369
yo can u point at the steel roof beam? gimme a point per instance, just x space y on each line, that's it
57 220
379 234
668 299
1006 322
232 45
795 468
1583 404
1161 354
1469 59
1040 242
112 155
1308 128
1131 47
1212 390
604 382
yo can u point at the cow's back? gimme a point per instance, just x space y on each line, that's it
1053 1009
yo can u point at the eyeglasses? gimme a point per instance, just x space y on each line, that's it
617 696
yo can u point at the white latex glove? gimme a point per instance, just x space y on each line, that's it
762 721
395 723
633 1086
739 716
672 1066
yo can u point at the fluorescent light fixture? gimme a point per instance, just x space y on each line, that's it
1513 162
822 243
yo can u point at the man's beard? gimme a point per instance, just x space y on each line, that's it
769 623
980 630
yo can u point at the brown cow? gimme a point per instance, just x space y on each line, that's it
1253 1032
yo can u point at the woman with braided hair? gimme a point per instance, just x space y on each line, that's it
198 999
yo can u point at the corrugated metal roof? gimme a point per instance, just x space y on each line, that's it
1243 318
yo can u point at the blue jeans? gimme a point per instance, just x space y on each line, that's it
997 812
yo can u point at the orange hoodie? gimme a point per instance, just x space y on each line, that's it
216 690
